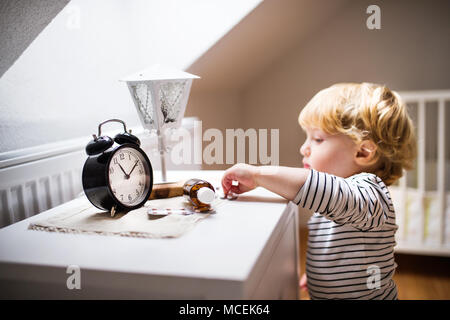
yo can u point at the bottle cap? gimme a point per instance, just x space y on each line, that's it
205 195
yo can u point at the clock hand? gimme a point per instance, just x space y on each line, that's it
133 168
126 175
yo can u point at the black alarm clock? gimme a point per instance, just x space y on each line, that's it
117 175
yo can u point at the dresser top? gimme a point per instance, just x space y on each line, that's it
225 245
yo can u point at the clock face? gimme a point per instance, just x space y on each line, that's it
129 178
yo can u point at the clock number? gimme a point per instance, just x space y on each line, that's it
115 160
122 156
111 170
129 197
141 171
121 197
137 192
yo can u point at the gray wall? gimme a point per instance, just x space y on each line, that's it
410 52
63 91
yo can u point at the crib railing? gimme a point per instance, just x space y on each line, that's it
424 228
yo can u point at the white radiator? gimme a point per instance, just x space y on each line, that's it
29 186
36 179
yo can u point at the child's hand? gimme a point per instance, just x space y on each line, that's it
303 282
244 174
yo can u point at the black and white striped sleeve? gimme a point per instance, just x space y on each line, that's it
361 200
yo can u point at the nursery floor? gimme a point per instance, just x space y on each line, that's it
417 277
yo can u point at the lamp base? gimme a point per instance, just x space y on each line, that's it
167 190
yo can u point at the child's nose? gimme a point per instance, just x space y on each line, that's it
304 150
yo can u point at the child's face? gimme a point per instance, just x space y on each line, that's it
333 154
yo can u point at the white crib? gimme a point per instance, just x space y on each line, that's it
422 196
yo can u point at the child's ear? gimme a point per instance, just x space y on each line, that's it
366 153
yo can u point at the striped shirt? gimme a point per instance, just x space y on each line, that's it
351 237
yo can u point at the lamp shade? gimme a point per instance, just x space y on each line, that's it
160 95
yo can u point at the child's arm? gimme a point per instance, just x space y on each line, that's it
284 181
361 200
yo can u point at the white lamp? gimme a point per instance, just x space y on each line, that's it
160 95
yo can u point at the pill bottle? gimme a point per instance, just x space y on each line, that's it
199 192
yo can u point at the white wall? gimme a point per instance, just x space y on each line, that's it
66 81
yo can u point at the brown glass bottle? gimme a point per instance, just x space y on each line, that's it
199 192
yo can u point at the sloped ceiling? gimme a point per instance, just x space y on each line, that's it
230 64
21 21
65 77
270 30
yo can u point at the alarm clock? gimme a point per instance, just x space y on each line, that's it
117 175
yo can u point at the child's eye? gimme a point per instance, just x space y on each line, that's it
318 140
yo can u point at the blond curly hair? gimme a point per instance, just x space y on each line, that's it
367 111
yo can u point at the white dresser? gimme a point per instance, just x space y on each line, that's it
247 250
